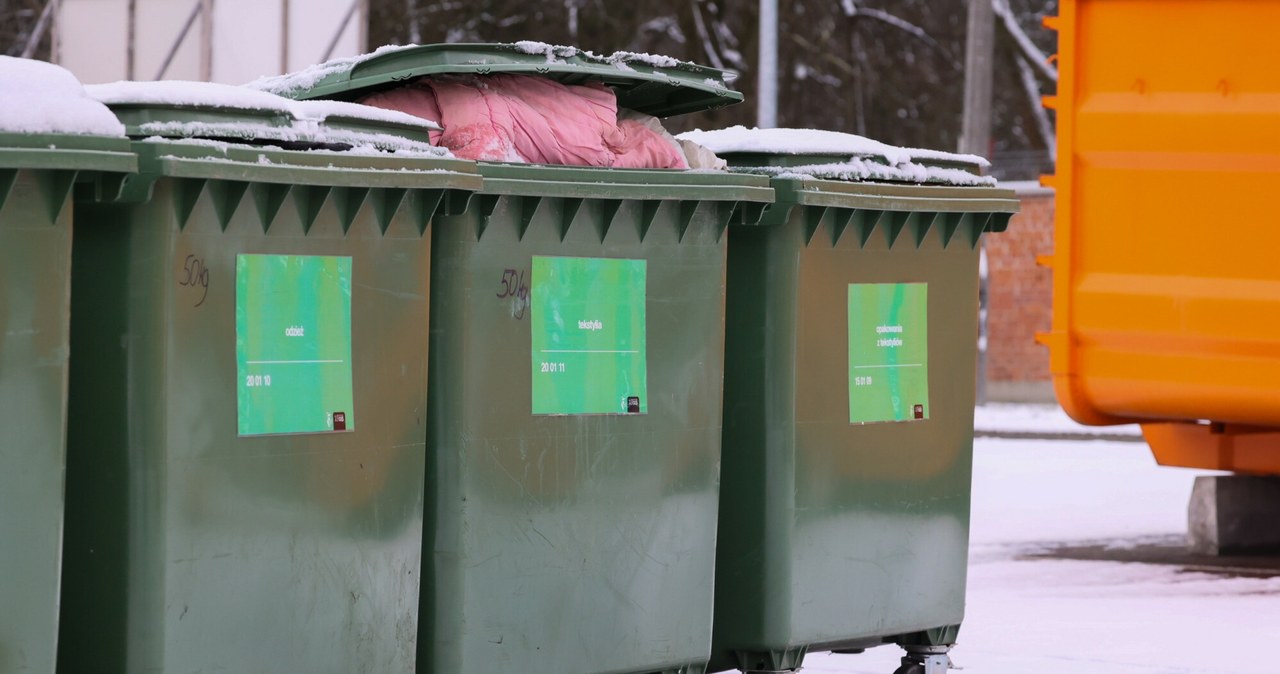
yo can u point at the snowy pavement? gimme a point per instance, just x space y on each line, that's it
1047 421
1059 616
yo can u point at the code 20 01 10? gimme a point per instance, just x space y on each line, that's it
252 380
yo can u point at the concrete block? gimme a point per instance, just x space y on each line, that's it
1234 514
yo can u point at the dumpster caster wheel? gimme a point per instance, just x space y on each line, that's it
926 660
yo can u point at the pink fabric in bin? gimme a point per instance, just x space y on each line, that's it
532 119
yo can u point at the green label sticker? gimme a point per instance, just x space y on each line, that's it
888 352
588 334
293 344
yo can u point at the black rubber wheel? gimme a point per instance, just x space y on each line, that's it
913 668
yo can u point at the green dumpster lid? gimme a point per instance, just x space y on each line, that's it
176 109
64 151
656 85
389 176
353 123
897 197
830 155
184 158
540 180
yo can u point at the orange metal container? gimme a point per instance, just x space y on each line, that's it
1167 245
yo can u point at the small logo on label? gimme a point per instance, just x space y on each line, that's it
339 421
919 411
633 405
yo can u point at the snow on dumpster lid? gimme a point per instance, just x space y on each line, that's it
197 95
333 110
739 139
173 108
656 85
289 84
831 155
866 170
40 97
183 94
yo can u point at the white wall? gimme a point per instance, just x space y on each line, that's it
78 31
246 38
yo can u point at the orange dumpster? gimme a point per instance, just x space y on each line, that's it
1166 276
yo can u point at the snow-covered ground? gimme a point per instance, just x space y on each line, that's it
1046 419
1053 616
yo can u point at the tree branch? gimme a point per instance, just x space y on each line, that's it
703 35
1032 88
1028 48
851 10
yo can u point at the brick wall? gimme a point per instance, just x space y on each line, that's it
1020 297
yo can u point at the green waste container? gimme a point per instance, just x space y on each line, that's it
575 393
849 395
37 174
248 392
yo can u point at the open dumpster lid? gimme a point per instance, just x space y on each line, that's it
656 85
